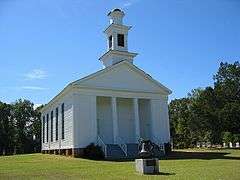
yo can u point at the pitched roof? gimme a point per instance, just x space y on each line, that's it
135 68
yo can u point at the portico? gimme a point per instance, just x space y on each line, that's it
123 119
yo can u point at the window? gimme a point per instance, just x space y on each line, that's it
120 38
47 126
63 121
56 124
110 42
43 130
51 126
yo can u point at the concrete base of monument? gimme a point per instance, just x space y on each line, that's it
147 166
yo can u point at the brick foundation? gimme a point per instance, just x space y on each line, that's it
74 152
68 152
56 152
77 152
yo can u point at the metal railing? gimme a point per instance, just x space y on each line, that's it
102 145
122 145
160 145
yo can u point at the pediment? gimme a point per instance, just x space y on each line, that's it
123 76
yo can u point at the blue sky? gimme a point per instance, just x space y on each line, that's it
44 45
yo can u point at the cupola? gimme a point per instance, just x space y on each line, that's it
117 40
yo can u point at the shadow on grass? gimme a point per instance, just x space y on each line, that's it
166 174
178 155
162 174
181 155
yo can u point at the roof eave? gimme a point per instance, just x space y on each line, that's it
126 53
67 88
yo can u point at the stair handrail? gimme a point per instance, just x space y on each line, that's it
160 145
102 145
122 145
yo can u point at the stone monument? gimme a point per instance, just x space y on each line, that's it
147 164
198 144
237 144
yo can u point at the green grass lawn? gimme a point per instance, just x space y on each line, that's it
187 164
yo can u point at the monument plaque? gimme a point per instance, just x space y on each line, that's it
147 164
151 162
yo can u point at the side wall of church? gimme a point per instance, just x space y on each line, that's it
59 143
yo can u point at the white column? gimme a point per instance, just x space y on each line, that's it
115 119
114 39
94 117
136 117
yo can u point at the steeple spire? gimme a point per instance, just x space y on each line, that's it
117 38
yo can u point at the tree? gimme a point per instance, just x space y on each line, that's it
236 138
230 115
227 137
227 88
179 113
24 115
19 123
36 129
208 112
7 130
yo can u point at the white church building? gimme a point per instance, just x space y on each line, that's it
112 108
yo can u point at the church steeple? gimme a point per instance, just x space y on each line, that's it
117 40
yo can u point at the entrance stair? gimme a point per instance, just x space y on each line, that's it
114 151
127 151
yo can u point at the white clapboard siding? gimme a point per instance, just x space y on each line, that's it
67 142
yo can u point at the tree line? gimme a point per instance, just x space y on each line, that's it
20 128
210 114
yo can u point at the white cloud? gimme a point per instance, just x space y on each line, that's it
33 88
36 74
129 3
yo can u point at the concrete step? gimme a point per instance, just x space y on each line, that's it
132 151
115 152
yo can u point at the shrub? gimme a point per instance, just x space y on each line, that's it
93 151
167 147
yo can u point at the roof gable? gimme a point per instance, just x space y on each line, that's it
123 76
